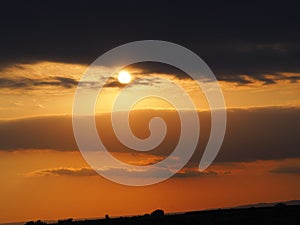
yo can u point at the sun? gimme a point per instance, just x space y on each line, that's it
124 77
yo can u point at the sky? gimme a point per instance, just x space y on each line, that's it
45 48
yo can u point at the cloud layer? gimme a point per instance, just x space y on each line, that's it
28 83
287 169
254 38
253 134
65 172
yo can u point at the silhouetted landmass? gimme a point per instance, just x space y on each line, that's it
38 222
270 204
158 213
279 214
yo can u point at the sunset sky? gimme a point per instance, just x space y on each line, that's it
45 48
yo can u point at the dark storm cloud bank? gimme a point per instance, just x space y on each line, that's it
254 134
233 38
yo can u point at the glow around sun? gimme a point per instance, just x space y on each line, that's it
124 77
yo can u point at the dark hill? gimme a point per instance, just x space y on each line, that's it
280 214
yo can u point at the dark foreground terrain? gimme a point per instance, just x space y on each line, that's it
281 214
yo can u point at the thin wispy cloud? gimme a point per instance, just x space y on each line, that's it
89 172
74 172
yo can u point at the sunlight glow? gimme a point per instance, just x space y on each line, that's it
124 77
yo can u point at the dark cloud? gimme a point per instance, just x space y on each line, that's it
266 80
261 134
294 79
194 172
238 78
149 67
38 133
233 38
15 83
29 83
286 170
67 82
253 134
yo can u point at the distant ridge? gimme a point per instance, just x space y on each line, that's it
269 204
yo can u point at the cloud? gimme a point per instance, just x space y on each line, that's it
67 82
216 170
54 77
194 172
83 172
30 83
38 133
250 39
79 172
240 78
261 134
288 169
46 75
252 134
87 172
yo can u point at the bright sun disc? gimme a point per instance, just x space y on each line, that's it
124 77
